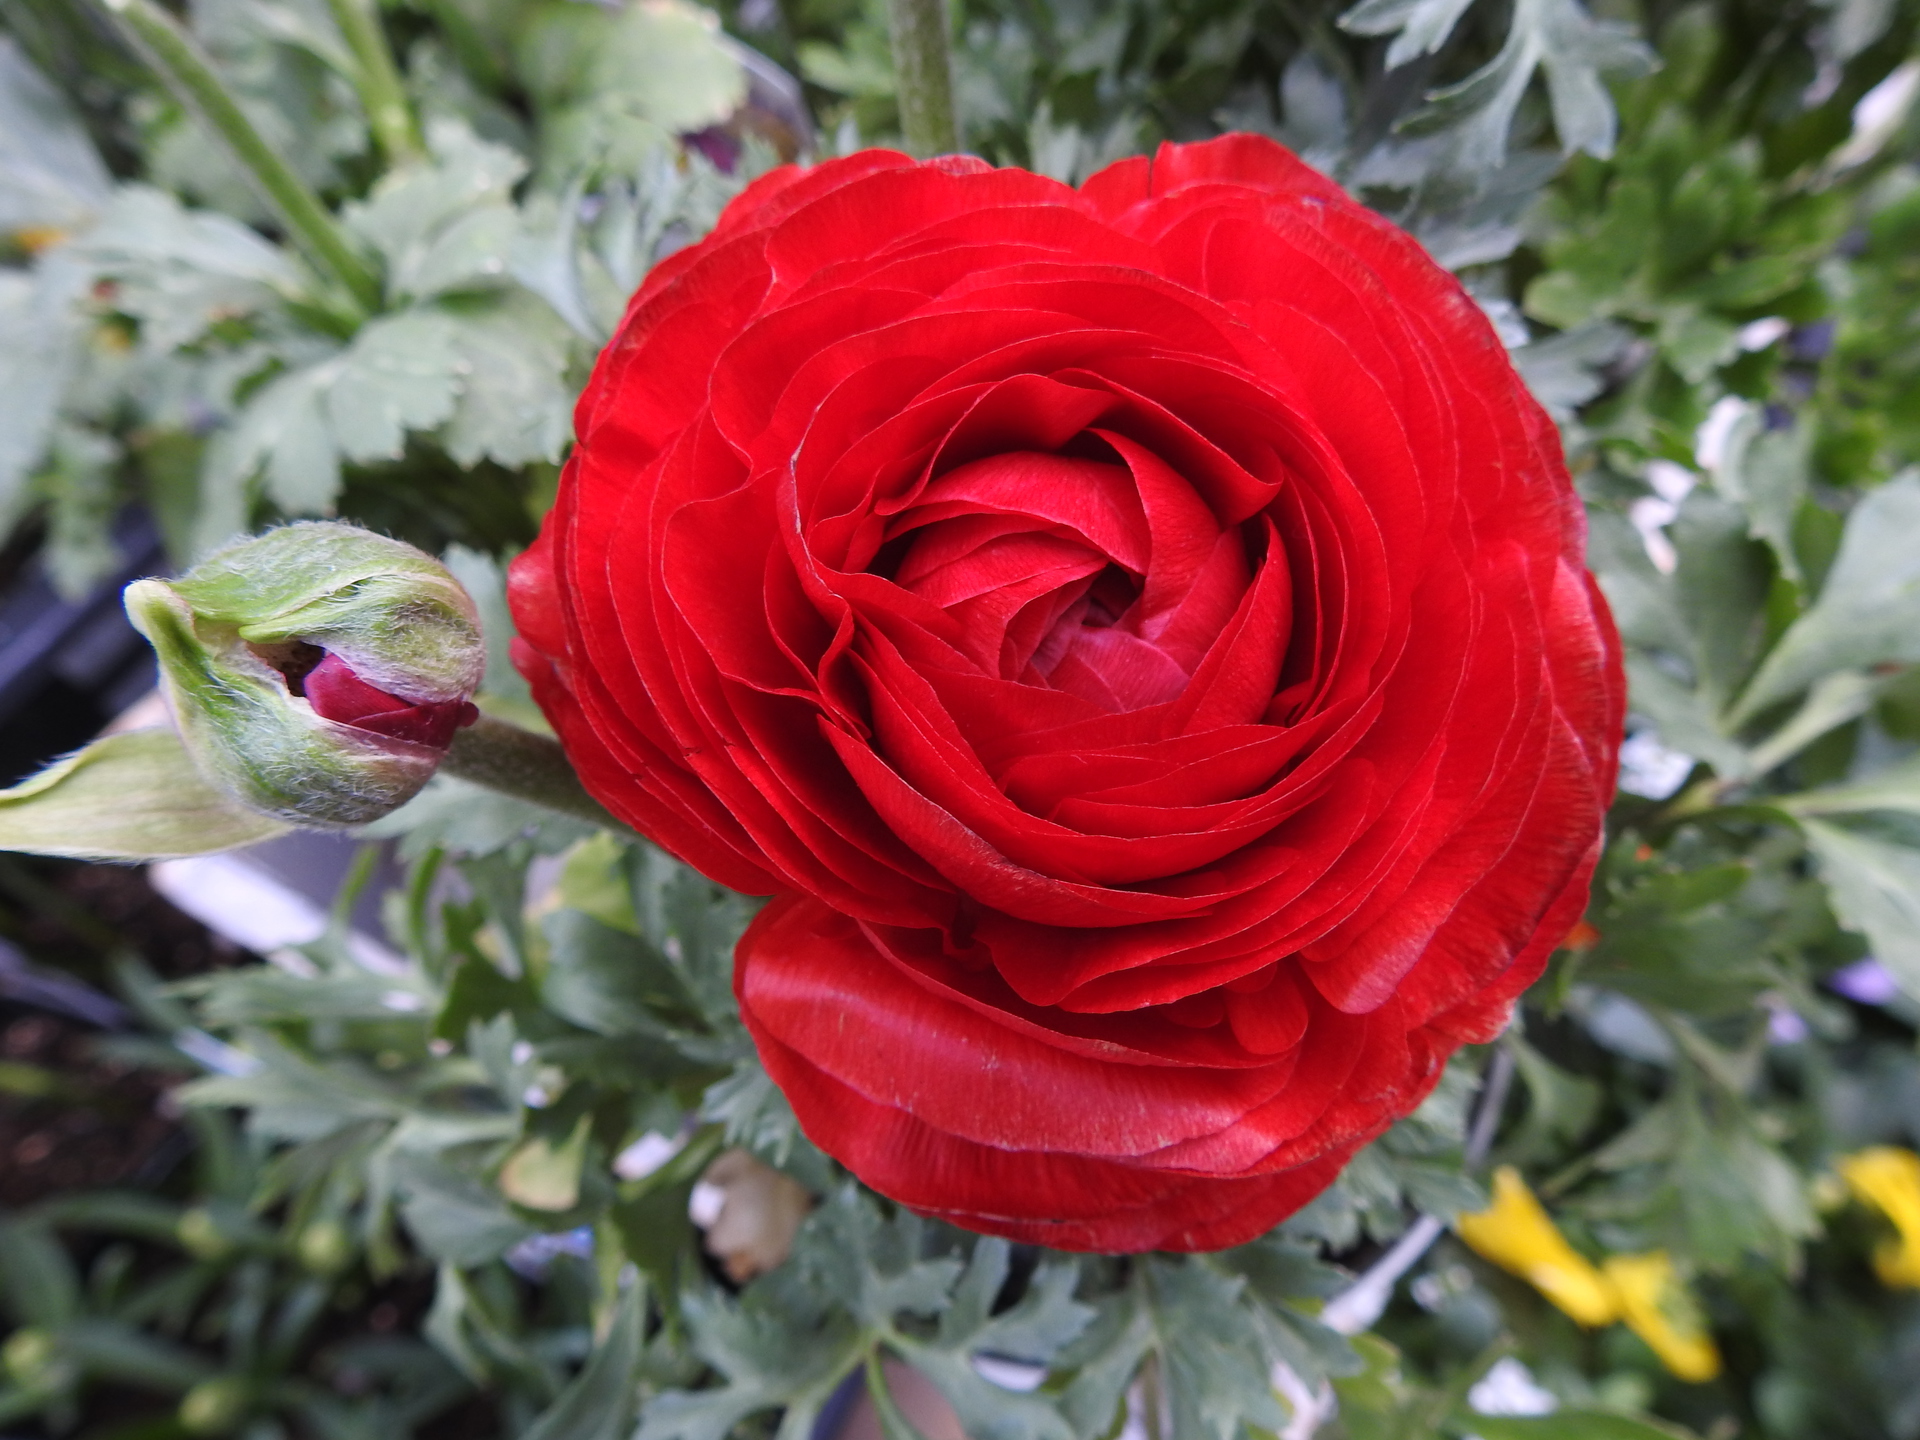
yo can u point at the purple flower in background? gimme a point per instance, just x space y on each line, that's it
1867 981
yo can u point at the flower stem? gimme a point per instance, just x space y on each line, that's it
924 75
524 765
173 53
378 81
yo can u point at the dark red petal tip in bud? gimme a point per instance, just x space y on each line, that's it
337 694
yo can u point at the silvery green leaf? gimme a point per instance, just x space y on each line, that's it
618 85
775 1349
455 1217
1720 585
178 270
545 261
1216 1370
1560 38
1875 886
872 1263
1575 51
471 820
400 374
1833 701
1895 788
1766 472
306 26
1857 24
1868 611
43 333
51 177
281 62
1423 25
292 1096
1677 712
445 221
1313 110
1565 371
1576 1425
515 405
1046 1319
284 430
83 494
598 1403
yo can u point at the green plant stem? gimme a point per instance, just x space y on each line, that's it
524 765
924 75
173 53
388 114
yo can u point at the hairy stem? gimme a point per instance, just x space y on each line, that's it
924 75
524 765
388 114
173 53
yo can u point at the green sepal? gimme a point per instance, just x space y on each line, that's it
394 613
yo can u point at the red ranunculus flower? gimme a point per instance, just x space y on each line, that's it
1139 634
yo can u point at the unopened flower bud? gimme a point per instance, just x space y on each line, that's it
317 672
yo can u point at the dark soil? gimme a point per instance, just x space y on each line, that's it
72 1114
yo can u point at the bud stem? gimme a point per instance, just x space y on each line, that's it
172 52
923 75
524 765
378 80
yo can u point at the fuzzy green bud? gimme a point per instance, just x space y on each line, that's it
215 1407
316 672
325 1247
30 1358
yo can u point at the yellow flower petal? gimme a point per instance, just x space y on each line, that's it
1662 1311
1888 1178
1516 1234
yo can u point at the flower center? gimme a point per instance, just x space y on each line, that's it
1061 574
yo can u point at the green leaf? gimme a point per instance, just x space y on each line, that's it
599 1403
455 1217
1208 1342
610 982
872 1263
774 1348
1875 886
1573 1425
1681 716
1423 25
284 430
1721 585
51 177
37 1280
1868 611
179 271
1895 788
38 315
400 374
1046 1319
1834 700
134 796
446 222
1556 37
515 405
1765 471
